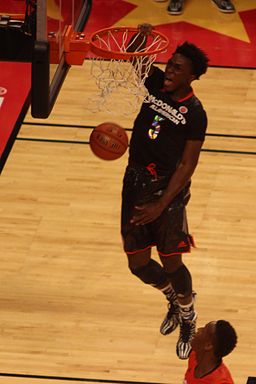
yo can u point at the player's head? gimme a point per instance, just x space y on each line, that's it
225 338
198 58
187 64
217 337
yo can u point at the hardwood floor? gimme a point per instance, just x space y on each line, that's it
69 306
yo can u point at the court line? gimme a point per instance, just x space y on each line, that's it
130 129
81 379
87 142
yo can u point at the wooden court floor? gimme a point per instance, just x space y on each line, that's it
70 309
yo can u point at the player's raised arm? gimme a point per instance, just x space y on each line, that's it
138 43
138 40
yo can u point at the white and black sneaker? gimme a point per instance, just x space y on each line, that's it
171 320
187 332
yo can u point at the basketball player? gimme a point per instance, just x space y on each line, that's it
209 345
168 134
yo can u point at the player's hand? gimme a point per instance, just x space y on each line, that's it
147 213
145 28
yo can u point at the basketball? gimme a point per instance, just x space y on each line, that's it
108 141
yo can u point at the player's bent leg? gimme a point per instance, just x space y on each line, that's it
147 269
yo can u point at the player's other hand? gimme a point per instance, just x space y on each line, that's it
145 28
147 213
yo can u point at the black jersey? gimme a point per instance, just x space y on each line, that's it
163 126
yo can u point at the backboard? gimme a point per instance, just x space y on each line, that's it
33 31
32 62
52 19
251 380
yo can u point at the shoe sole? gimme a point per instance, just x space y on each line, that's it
174 13
184 358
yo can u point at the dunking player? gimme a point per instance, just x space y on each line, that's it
164 149
209 345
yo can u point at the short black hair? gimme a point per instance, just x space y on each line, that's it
198 57
225 338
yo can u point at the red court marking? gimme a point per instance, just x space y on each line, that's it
15 84
114 9
222 49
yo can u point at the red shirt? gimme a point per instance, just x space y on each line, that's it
220 375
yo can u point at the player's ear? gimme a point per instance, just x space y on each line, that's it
208 346
193 77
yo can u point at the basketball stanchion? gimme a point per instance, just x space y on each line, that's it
113 67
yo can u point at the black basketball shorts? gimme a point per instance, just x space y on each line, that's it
169 233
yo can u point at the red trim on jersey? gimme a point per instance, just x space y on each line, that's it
191 93
187 97
140 250
190 244
181 245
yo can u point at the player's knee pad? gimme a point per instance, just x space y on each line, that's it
181 281
152 273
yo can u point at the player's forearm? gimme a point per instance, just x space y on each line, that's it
178 181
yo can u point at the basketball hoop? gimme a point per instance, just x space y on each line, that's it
115 68
115 64
114 43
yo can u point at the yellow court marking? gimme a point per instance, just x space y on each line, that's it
199 13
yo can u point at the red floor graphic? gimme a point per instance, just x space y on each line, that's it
229 40
222 49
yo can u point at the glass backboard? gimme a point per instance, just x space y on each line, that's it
49 68
33 31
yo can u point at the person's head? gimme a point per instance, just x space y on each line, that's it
187 63
217 337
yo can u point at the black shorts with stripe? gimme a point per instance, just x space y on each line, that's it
169 233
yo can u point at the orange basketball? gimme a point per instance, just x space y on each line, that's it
108 141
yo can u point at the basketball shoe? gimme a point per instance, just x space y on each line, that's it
175 7
187 332
171 320
225 6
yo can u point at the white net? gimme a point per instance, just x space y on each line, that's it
120 82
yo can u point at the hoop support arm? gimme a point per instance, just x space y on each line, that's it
75 46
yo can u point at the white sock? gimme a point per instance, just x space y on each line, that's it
169 293
187 311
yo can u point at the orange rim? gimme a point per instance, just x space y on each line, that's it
119 55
